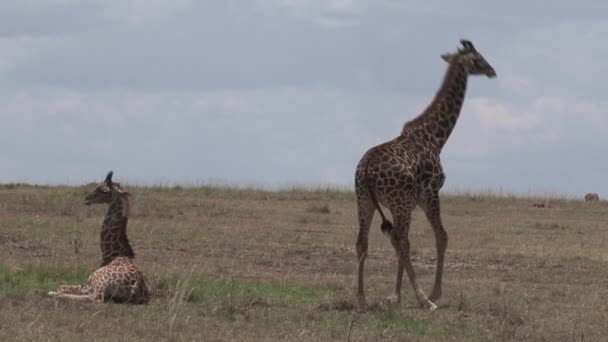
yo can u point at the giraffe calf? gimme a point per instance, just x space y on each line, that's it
119 281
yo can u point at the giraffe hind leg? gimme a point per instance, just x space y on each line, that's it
75 292
129 291
70 289
365 210
78 297
67 289
397 236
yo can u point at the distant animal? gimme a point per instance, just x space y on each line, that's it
592 197
406 171
118 278
545 204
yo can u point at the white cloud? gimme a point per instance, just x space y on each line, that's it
114 107
18 49
568 56
137 12
297 128
328 14
572 111
312 83
520 85
334 6
489 124
494 115
48 3
341 5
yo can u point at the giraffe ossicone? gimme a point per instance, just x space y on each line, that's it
406 171
118 278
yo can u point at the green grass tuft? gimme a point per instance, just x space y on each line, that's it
202 289
39 279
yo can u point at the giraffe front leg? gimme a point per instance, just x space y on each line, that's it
79 297
432 210
421 297
404 260
73 289
441 239
76 292
67 289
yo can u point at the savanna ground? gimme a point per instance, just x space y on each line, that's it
245 265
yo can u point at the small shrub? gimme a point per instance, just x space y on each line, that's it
463 302
548 226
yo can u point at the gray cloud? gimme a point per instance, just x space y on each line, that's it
277 92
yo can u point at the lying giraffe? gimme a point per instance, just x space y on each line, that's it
406 171
117 279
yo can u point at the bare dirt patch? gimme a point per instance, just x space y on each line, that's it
25 248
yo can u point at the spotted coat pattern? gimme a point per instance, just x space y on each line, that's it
406 171
118 278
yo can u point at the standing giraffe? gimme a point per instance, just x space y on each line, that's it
406 171
118 278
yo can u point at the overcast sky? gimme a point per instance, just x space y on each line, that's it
283 92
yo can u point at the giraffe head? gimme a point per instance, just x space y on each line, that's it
473 60
106 192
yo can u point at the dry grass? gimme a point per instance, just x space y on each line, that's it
249 264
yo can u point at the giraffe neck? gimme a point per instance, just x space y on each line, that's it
439 118
114 241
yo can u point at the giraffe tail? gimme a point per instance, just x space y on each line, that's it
387 225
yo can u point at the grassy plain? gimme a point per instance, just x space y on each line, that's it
231 264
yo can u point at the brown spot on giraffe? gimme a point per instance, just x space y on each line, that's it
406 171
118 278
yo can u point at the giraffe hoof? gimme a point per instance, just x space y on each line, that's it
434 296
432 306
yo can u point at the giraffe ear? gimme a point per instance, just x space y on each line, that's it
446 57
108 179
